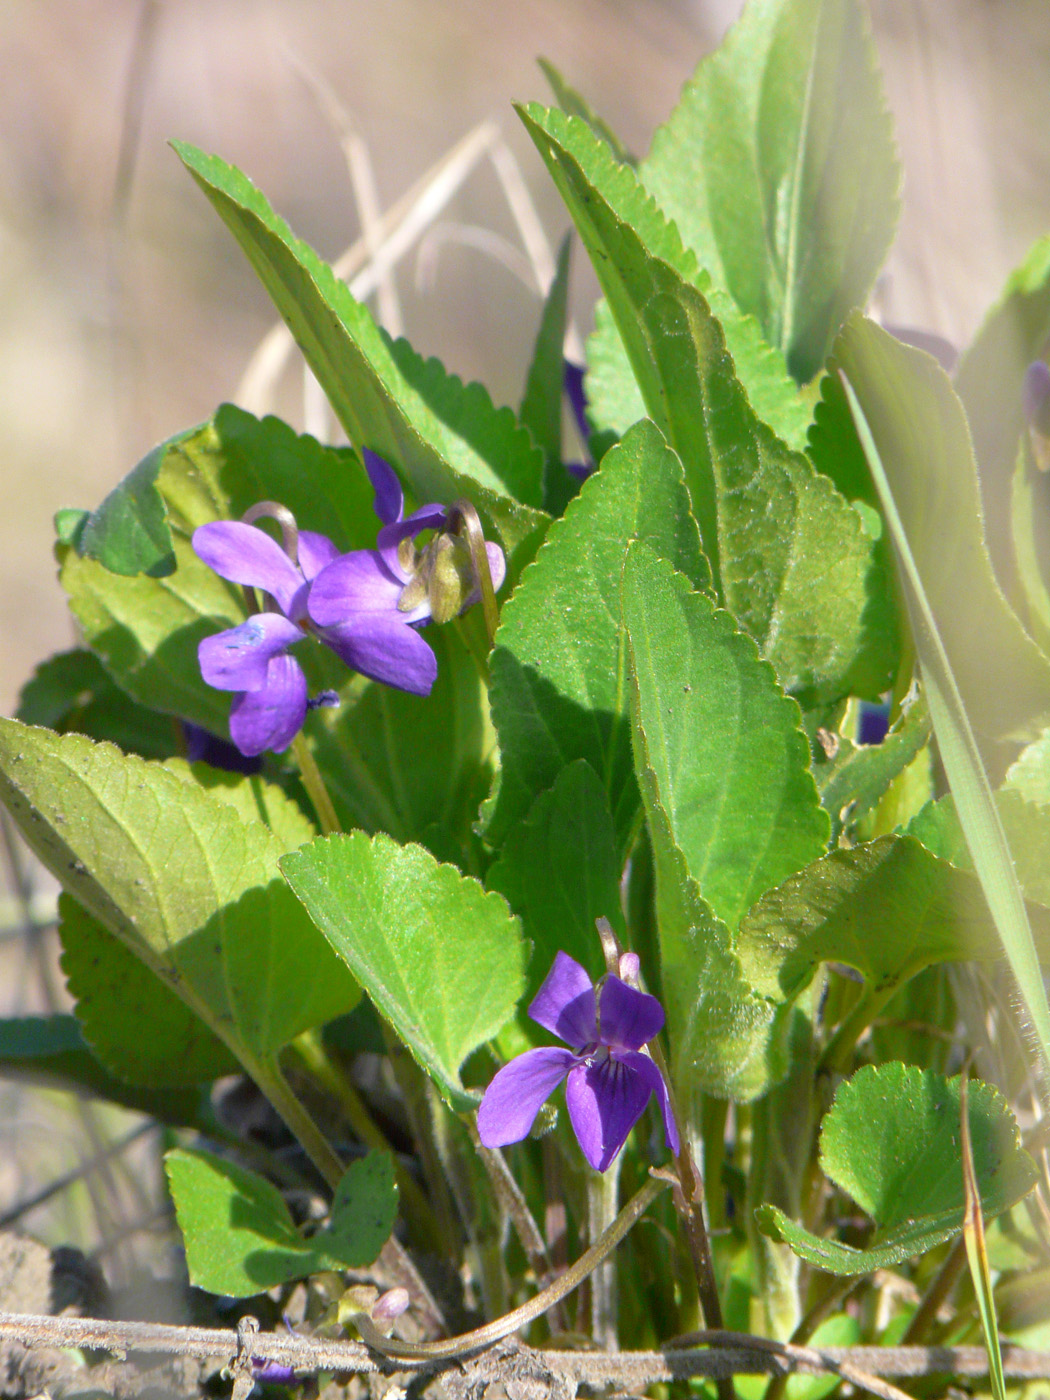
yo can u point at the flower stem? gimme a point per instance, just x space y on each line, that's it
314 784
479 558
689 1203
311 1053
481 1337
602 1190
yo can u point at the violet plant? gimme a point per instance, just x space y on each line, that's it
593 742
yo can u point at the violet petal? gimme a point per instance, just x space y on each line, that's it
430 517
315 552
271 717
565 1004
384 647
389 499
577 398
238 659
517 1093
627 1018
352 584
646 1070
247 555
605 1099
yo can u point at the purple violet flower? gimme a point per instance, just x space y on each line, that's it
366 605
395 583
251 659
610 1079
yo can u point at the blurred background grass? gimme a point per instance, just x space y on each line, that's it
127 313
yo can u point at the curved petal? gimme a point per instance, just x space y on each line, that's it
384 647
271 717
315 552
565 1004
390 499
517 1093
353 583
245 554
605 1099
627 1018
238 658
431 517
646 1070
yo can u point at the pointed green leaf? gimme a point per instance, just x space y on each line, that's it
1029 774
780 168
622 227
731 763
446 436
891 1139
558 678
922 402
560 870
888 908
51 1051
851 785
128 534
1027 828
117 995
576 105
191 887
239 1235
989 382
919 430
541 406
442 960
791 558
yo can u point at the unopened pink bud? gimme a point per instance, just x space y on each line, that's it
390 1305
630 967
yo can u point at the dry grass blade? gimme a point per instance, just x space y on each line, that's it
364 265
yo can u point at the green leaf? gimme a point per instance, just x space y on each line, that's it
1028 527
147 630
891 1140
51 1051
541 407
446 436
252 798
239 1235
731 764
1027 828
710 728
897 421
128 534
416 767
558 668
888 908
576 105
624 220
780 168
73 692
191 887
858 777
1029 774
117 996
791 559
442 960
920 432
560 871
989 381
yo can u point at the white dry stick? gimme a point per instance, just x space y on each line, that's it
397 231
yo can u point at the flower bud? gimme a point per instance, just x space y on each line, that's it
390 1305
